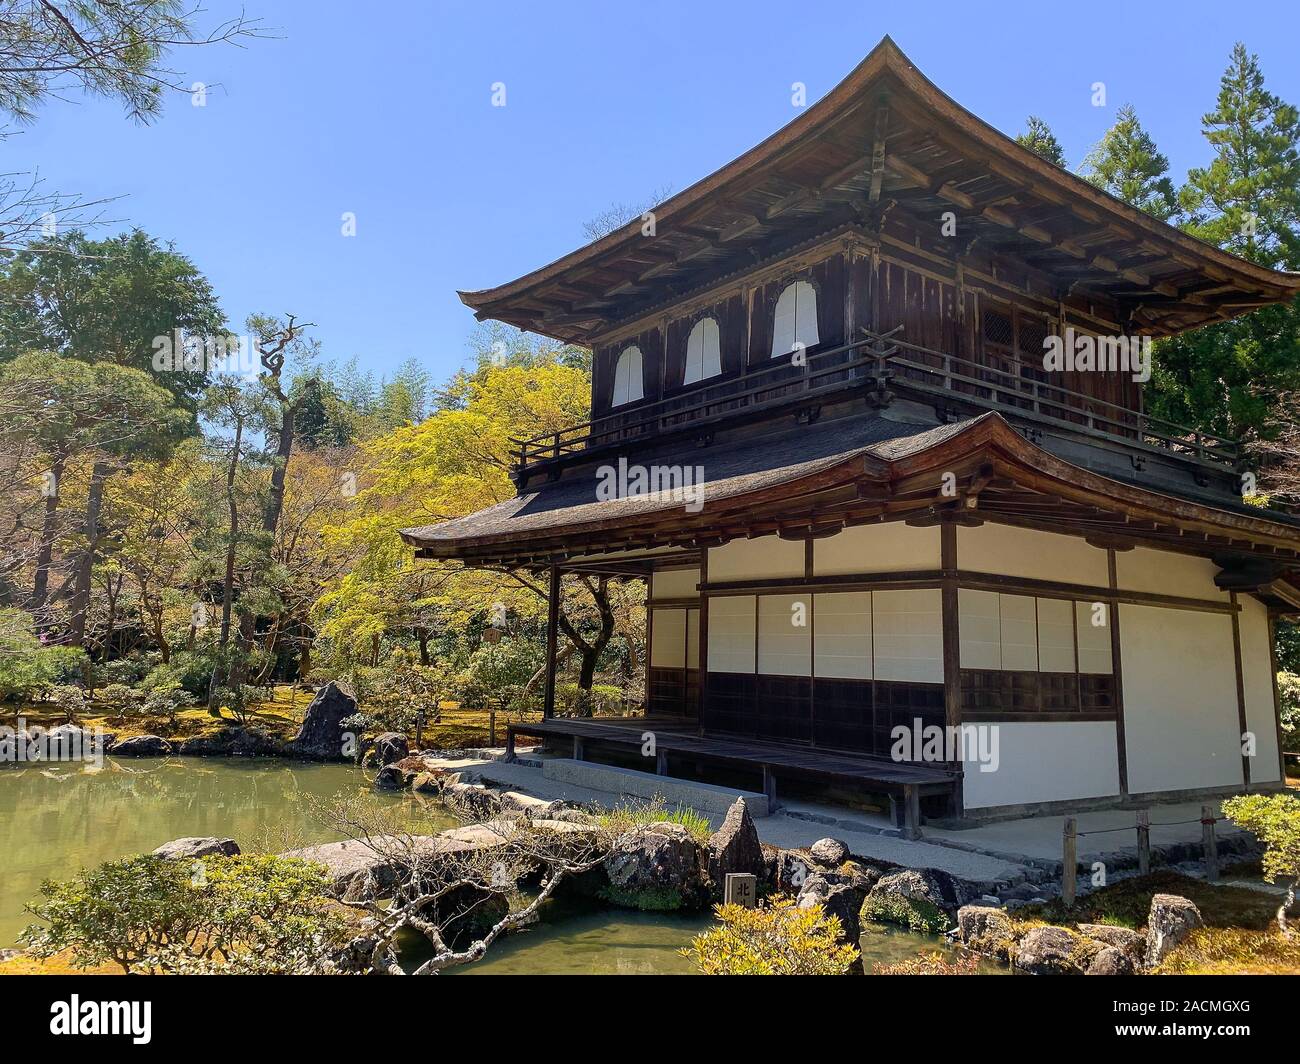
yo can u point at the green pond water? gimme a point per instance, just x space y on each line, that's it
57 819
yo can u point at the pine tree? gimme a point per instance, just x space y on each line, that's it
1039 139
1248 199
1228 377
1127 165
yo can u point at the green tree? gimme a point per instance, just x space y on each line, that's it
121 300
1127 165
104 47
1039 138
1228 377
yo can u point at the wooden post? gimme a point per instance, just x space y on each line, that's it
1210 844
577 748
552 637
510 744
1144 841
1069 861
661 763
769 788
911 811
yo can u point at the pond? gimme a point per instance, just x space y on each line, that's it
57 819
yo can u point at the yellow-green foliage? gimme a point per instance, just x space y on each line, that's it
1234 951
632 816
777 938
933 963
1274 819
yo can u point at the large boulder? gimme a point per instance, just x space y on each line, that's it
389 747
986 929
919 899
1171 919
1055 951
322 736
791 871
734 847
662 867
1111 961
69 742
141 746
191 847
233 741
838 896
358 872
1133 944
829 853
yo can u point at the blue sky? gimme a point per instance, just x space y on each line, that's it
385 110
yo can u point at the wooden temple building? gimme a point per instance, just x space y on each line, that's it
864 503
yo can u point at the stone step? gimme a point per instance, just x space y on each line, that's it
702 797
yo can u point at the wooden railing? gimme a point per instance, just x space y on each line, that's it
882 365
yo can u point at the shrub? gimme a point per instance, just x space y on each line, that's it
1274 819
28 667
167 703
118 701
933 963
777 938
1288 689
214 915
69 700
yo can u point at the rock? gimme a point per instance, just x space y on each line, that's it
1171 919
474 799
253 742
838 897
662 867
920 899
141 746
1111 961
529 805
793 868
1055 951
322 736
986 929
187 848
830 853
392 778
359 872
390 747
68 741
429 781
734 847
1125 939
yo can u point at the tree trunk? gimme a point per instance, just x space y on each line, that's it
86 564
44 554
228 581
422 638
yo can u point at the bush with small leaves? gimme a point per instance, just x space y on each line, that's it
1274 819
778 938
216 914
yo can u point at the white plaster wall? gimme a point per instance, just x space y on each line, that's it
1180 699
1025 552
842 635
979 626
908 635
1257 669
891 547
1046 763
785 635
731 633
675 583
768 557
1161 572
668 639
1094 639
1055 635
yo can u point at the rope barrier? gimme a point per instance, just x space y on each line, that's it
1153 824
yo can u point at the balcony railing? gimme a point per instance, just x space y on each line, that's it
882 366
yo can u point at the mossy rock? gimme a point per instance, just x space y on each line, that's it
916 914
651 900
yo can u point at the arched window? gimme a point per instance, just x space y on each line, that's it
628 380
795 321
703 352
